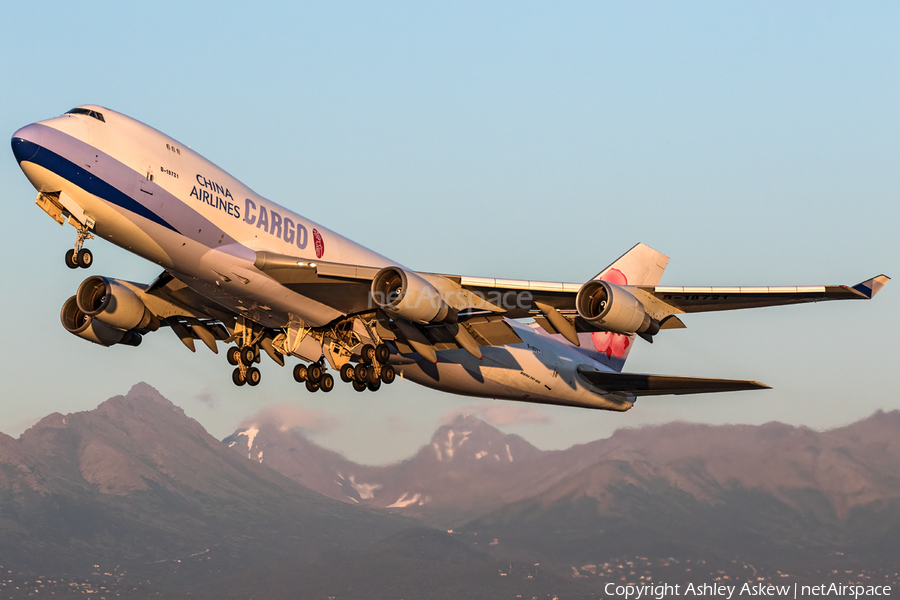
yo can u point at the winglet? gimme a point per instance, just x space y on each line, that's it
870 287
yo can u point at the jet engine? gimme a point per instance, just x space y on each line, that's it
409 296
613 308
112 303
92 330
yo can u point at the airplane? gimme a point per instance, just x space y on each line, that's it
240 269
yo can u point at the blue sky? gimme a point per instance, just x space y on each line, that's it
755 144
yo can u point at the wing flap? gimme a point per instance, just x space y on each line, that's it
638 384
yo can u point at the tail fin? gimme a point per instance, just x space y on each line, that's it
642 265
607 348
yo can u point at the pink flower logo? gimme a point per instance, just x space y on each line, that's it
615 277
612 344
319 243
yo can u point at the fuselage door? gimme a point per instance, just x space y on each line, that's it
149 171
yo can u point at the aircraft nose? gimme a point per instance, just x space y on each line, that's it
26 142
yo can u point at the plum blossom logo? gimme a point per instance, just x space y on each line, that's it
612 344
319 242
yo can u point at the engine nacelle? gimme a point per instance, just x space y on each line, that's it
110 302
408 295
613 308
92 330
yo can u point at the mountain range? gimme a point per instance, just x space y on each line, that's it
136 485
470 468
772 492
140 494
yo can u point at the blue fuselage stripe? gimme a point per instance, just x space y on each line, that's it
87 181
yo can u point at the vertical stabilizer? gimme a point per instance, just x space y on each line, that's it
607 348
642 265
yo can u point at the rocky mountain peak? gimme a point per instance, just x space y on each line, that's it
468 437
245 438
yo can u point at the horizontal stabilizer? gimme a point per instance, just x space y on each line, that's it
870 287
636 384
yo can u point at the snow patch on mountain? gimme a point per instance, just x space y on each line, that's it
403 502
366 491
508 453
251 435
480 455
455 440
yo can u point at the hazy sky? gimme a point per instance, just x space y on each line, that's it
753 143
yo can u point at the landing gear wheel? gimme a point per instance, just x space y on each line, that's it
70 259
311 386
388 374
327 382
372 377
314 372
248 355
253 376
84 258
367 354
347 373
382 353
299 373
374 386
360 387
233 355
237 377
360 372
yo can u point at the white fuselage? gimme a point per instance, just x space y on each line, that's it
155 197
199 222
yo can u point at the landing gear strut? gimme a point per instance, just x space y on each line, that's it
247 335
80 256
245 372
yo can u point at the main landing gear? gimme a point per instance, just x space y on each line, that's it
314 376
368 374
80 256
371 371
243 359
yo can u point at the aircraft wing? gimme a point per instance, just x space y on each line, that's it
636 384
345 287
188 314
703 299
551 304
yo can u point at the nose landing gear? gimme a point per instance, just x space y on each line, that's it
80 256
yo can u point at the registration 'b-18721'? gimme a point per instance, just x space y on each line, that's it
240 270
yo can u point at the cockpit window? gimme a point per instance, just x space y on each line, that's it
90 113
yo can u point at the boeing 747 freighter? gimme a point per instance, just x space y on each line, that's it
241 270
